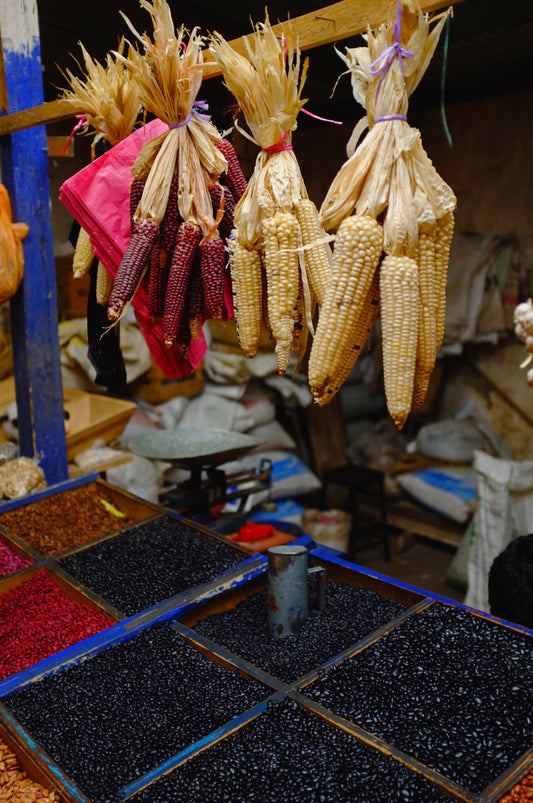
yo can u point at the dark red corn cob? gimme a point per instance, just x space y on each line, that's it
212 268
157 281
195 300
136 190
187 242
158 274
131 269
223 195
234 177
171 219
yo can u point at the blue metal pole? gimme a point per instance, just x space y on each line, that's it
34 313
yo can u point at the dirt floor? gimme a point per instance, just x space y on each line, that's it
419 562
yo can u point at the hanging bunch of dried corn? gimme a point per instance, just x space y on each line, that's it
280 252
394 219
111 108
180 196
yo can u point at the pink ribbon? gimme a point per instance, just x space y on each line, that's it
279 146
82 122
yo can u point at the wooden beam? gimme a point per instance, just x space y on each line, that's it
321 27
331 24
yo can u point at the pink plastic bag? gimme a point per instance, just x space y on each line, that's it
98 198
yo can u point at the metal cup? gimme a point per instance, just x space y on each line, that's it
287 589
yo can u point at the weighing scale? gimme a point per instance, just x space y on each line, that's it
201 451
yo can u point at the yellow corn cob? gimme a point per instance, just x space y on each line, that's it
282 239
104 283
426 352
83 255
353 345
358 249
245 266
443 241
399 321
317 253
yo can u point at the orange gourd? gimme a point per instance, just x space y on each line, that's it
11 253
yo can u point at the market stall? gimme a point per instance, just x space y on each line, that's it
141 662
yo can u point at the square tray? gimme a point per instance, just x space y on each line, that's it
36 620
447 686
61 512
143 565
117 715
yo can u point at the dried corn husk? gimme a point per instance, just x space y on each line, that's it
110 100
267 84
168 75
389 178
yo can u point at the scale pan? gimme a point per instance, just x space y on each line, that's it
205 447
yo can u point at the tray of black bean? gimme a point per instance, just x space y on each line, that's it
290 754
447 686
146 564
350 613
118 715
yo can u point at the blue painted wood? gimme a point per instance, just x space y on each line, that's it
34 314
62 781
332 555
173 762
128 628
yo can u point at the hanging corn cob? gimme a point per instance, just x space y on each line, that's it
390 179
111 110
176 182
280 249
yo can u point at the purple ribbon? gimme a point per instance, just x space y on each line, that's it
391 117
383 63
198 104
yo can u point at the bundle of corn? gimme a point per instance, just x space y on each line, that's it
278 242
179 207
111 108
523 325
394 219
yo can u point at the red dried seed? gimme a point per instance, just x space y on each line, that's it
10 561
131 268
187 242
37 620
213 269
233 177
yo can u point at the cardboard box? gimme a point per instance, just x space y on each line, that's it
91 416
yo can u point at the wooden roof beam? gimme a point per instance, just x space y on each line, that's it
321 27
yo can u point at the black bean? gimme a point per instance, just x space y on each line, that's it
147 564
114 717
447 687
290 754
350 614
